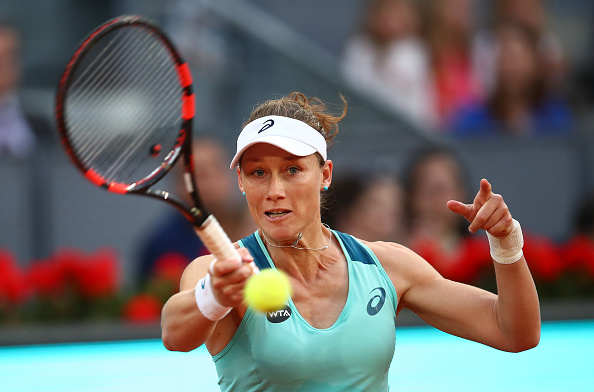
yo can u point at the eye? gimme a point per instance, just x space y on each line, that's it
258 173
293 170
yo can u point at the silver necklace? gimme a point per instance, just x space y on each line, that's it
294 244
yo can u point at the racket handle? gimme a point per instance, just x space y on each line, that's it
216 240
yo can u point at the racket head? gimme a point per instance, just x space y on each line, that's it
124 106
124 111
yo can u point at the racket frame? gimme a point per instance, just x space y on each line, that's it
183 145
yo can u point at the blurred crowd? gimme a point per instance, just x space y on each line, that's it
19 130
430 60
435 63
409 208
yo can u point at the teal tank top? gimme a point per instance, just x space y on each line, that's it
280 351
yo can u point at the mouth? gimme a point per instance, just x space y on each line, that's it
275 214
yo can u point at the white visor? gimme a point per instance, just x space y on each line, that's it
293 136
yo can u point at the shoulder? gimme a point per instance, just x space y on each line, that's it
394 256
389 250
195 271
404 267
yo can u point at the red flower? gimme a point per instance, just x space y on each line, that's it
464 264
14 284
46 278
542 257
170 266
98 275
142 308
578 254
90 275
69 263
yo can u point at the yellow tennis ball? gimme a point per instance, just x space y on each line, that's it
267 291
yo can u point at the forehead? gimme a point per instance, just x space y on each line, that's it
263 151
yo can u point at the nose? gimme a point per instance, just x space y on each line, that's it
276 189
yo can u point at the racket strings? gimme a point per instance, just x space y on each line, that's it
92 82
103 77
124 100
93 71
87 88
166 124
171 120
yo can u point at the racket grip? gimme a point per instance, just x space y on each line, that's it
216 240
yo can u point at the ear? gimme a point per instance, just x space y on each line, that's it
239 180
327 173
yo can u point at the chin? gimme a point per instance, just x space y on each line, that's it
279 232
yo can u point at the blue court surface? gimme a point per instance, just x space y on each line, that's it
425 360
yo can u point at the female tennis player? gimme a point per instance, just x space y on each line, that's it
337 331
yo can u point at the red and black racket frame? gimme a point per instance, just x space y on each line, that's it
183 144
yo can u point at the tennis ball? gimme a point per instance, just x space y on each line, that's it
268 290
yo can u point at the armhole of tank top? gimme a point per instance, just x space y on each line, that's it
229 346
246 317
383 272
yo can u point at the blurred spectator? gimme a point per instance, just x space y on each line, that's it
521 102
531 15
432 178
18 131
369 208
173 240
448 28
388 60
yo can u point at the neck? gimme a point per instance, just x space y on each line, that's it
302 263
301 243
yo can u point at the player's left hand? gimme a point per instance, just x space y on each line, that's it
488 212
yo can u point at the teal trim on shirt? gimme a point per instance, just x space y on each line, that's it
282 352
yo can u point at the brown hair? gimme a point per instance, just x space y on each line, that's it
311 111
536 90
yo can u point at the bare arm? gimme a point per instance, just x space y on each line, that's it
508 321
183 325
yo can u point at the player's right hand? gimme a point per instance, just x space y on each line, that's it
228 278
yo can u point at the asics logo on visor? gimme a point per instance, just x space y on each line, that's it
267 124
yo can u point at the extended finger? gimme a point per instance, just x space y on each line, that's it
482 215
460 208
484 193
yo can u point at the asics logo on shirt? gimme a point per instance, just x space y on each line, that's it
380 296
267 124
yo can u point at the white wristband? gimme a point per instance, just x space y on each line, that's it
507 250
206 301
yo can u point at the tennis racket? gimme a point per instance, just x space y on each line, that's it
124 110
